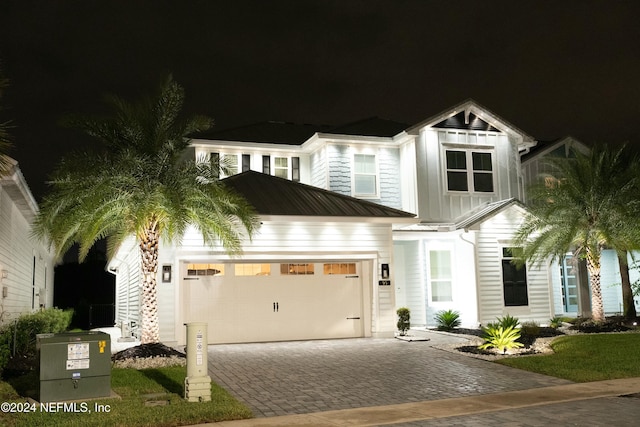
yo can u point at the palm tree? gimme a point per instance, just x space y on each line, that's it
140 187
5 139
585 205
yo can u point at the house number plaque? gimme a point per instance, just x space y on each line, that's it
384 282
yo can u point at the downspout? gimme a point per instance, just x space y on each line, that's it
475 257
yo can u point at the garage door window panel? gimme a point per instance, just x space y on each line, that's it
296 269
196 269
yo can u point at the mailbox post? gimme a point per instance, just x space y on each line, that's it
197 384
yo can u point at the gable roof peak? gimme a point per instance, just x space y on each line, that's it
471 106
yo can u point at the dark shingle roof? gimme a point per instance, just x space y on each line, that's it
296 134
271 195
267 132
373 126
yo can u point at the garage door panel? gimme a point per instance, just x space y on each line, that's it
277 306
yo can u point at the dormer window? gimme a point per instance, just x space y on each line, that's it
469 171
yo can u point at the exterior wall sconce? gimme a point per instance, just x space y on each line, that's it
385 271
166 274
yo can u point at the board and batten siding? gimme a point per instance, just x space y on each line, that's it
310 240
26 265
494 234
437 204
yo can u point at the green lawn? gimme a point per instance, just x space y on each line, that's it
584 358
166 384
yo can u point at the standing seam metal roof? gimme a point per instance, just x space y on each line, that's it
271 195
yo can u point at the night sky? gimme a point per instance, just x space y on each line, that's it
552 68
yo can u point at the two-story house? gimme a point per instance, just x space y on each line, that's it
357 220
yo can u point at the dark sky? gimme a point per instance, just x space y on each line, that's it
552 68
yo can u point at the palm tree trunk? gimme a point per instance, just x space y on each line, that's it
593 265
149 261
628 305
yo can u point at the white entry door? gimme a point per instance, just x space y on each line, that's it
244 302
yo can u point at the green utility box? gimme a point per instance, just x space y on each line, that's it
74 366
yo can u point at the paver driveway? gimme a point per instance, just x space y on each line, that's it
311 376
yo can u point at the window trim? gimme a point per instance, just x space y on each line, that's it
376 176
439 248
469 170
504 259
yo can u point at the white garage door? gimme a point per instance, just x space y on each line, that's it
252 302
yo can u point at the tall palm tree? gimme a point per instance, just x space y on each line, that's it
140 186
585 205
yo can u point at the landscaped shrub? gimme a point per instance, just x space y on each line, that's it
556 322
531 329
447 320
500 338
18 338
404 317
508 321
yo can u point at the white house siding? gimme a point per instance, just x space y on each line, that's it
280 241
408 184
340 164
494 234
409 279
435 203
128 284
318 166
27 266
416 291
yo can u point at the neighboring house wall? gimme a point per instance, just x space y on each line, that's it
128 282
26 266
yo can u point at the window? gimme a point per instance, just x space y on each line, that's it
293 269
340 268
246 162
365 180
459 177
205 269
266 165
281 167
440 275
253 269
295 169
514 279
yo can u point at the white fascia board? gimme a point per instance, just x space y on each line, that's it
290 219
128 245
18 189
358 139
240 145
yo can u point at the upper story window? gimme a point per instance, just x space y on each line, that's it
469 171
283 167
231 164
365 175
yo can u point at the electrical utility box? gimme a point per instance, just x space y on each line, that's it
74 365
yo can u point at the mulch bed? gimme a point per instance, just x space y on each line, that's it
147 350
